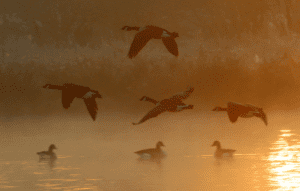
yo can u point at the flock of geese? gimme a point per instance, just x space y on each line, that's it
172 104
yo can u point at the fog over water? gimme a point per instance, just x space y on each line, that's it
246 52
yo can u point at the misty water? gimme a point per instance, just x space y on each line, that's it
241 51
100 155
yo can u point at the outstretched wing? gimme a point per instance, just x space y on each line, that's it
151 114
234 110
92 107
171 45
67 98
139 41
183 95
262 115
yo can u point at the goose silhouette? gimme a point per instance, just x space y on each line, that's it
222 152
153 152
48 154
145 34
172 104
235 110
70 91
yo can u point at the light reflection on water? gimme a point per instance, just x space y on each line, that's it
95 170
284 166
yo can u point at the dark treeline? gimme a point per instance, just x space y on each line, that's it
67 23
229 50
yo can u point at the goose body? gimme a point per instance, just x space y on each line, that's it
145 34
48 154
70 91
222 152
235 110
173 104
153 152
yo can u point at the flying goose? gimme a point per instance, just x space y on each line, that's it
173 104
152 153
235 110
147 33
222 152
70 91
48 154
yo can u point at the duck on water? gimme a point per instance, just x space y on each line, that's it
48 154
153 152
222 152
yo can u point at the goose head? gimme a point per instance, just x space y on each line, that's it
159 144
190 107
46 86
216 143
175 34
51 147
97 94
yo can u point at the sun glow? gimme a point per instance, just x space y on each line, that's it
284 163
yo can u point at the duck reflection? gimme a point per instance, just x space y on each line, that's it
157 160
50 161
48 156
284 166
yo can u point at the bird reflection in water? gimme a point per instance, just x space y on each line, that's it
223 161
151 160
284 167
48 156
50 161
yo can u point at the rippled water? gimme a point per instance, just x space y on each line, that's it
89 163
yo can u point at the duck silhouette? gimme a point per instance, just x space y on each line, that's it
235 110
70 91
172 104
153 152
147 33
48 154
222 152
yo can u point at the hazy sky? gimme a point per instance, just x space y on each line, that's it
230 51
